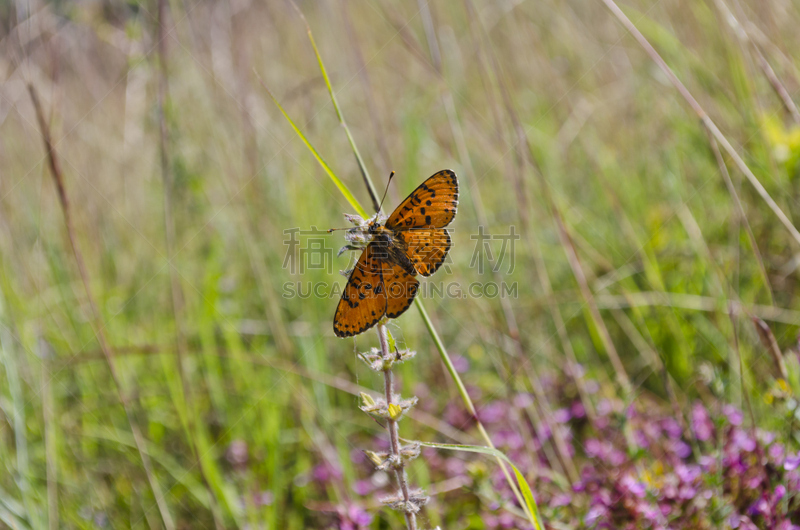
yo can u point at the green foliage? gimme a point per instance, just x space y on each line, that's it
266 400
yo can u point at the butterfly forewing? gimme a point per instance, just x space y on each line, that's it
401 287
363 301
413 241
426 248
432 204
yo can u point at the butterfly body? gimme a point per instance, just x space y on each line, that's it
412 241
390 246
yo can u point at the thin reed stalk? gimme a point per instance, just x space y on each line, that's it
50 434
373 194
707 122
526 155
175 287
741 216
462 390
523 208
363 74
777 85
564 460
586 292
14 409
98 325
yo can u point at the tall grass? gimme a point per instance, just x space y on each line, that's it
647 154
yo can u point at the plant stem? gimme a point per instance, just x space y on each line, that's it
394 437
462 390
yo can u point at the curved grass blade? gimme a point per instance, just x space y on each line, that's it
462 390
532 516
339 184
361 165
527 493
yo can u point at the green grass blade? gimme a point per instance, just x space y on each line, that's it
352 200
11 512
527 493
184 476
462 390
361 165
339 184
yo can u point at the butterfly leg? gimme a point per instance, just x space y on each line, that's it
346 248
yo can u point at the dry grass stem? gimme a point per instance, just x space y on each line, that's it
97 321
705 119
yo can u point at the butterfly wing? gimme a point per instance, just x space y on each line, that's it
426 248
432 205
401 288
380 285
363 301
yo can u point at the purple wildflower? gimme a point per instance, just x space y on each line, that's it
743 441
792 462
776 452
733 414
460 363
633 486
672 428
359 516
493 412
701 423
523 400
236 454
363 487
326 473
353 518
562 415
577 410
778 494
561 499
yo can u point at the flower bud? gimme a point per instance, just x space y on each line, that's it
395 411
367 400
374 458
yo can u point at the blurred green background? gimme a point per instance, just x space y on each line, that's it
242 393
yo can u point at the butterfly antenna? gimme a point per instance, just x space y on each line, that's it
334 229
386 190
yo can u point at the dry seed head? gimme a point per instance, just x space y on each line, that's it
417 499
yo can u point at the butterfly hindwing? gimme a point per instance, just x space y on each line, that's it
413 241
432 204
426 248
363 301
401 288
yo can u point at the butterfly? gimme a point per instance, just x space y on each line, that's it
412 241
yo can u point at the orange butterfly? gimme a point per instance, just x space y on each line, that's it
413 240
